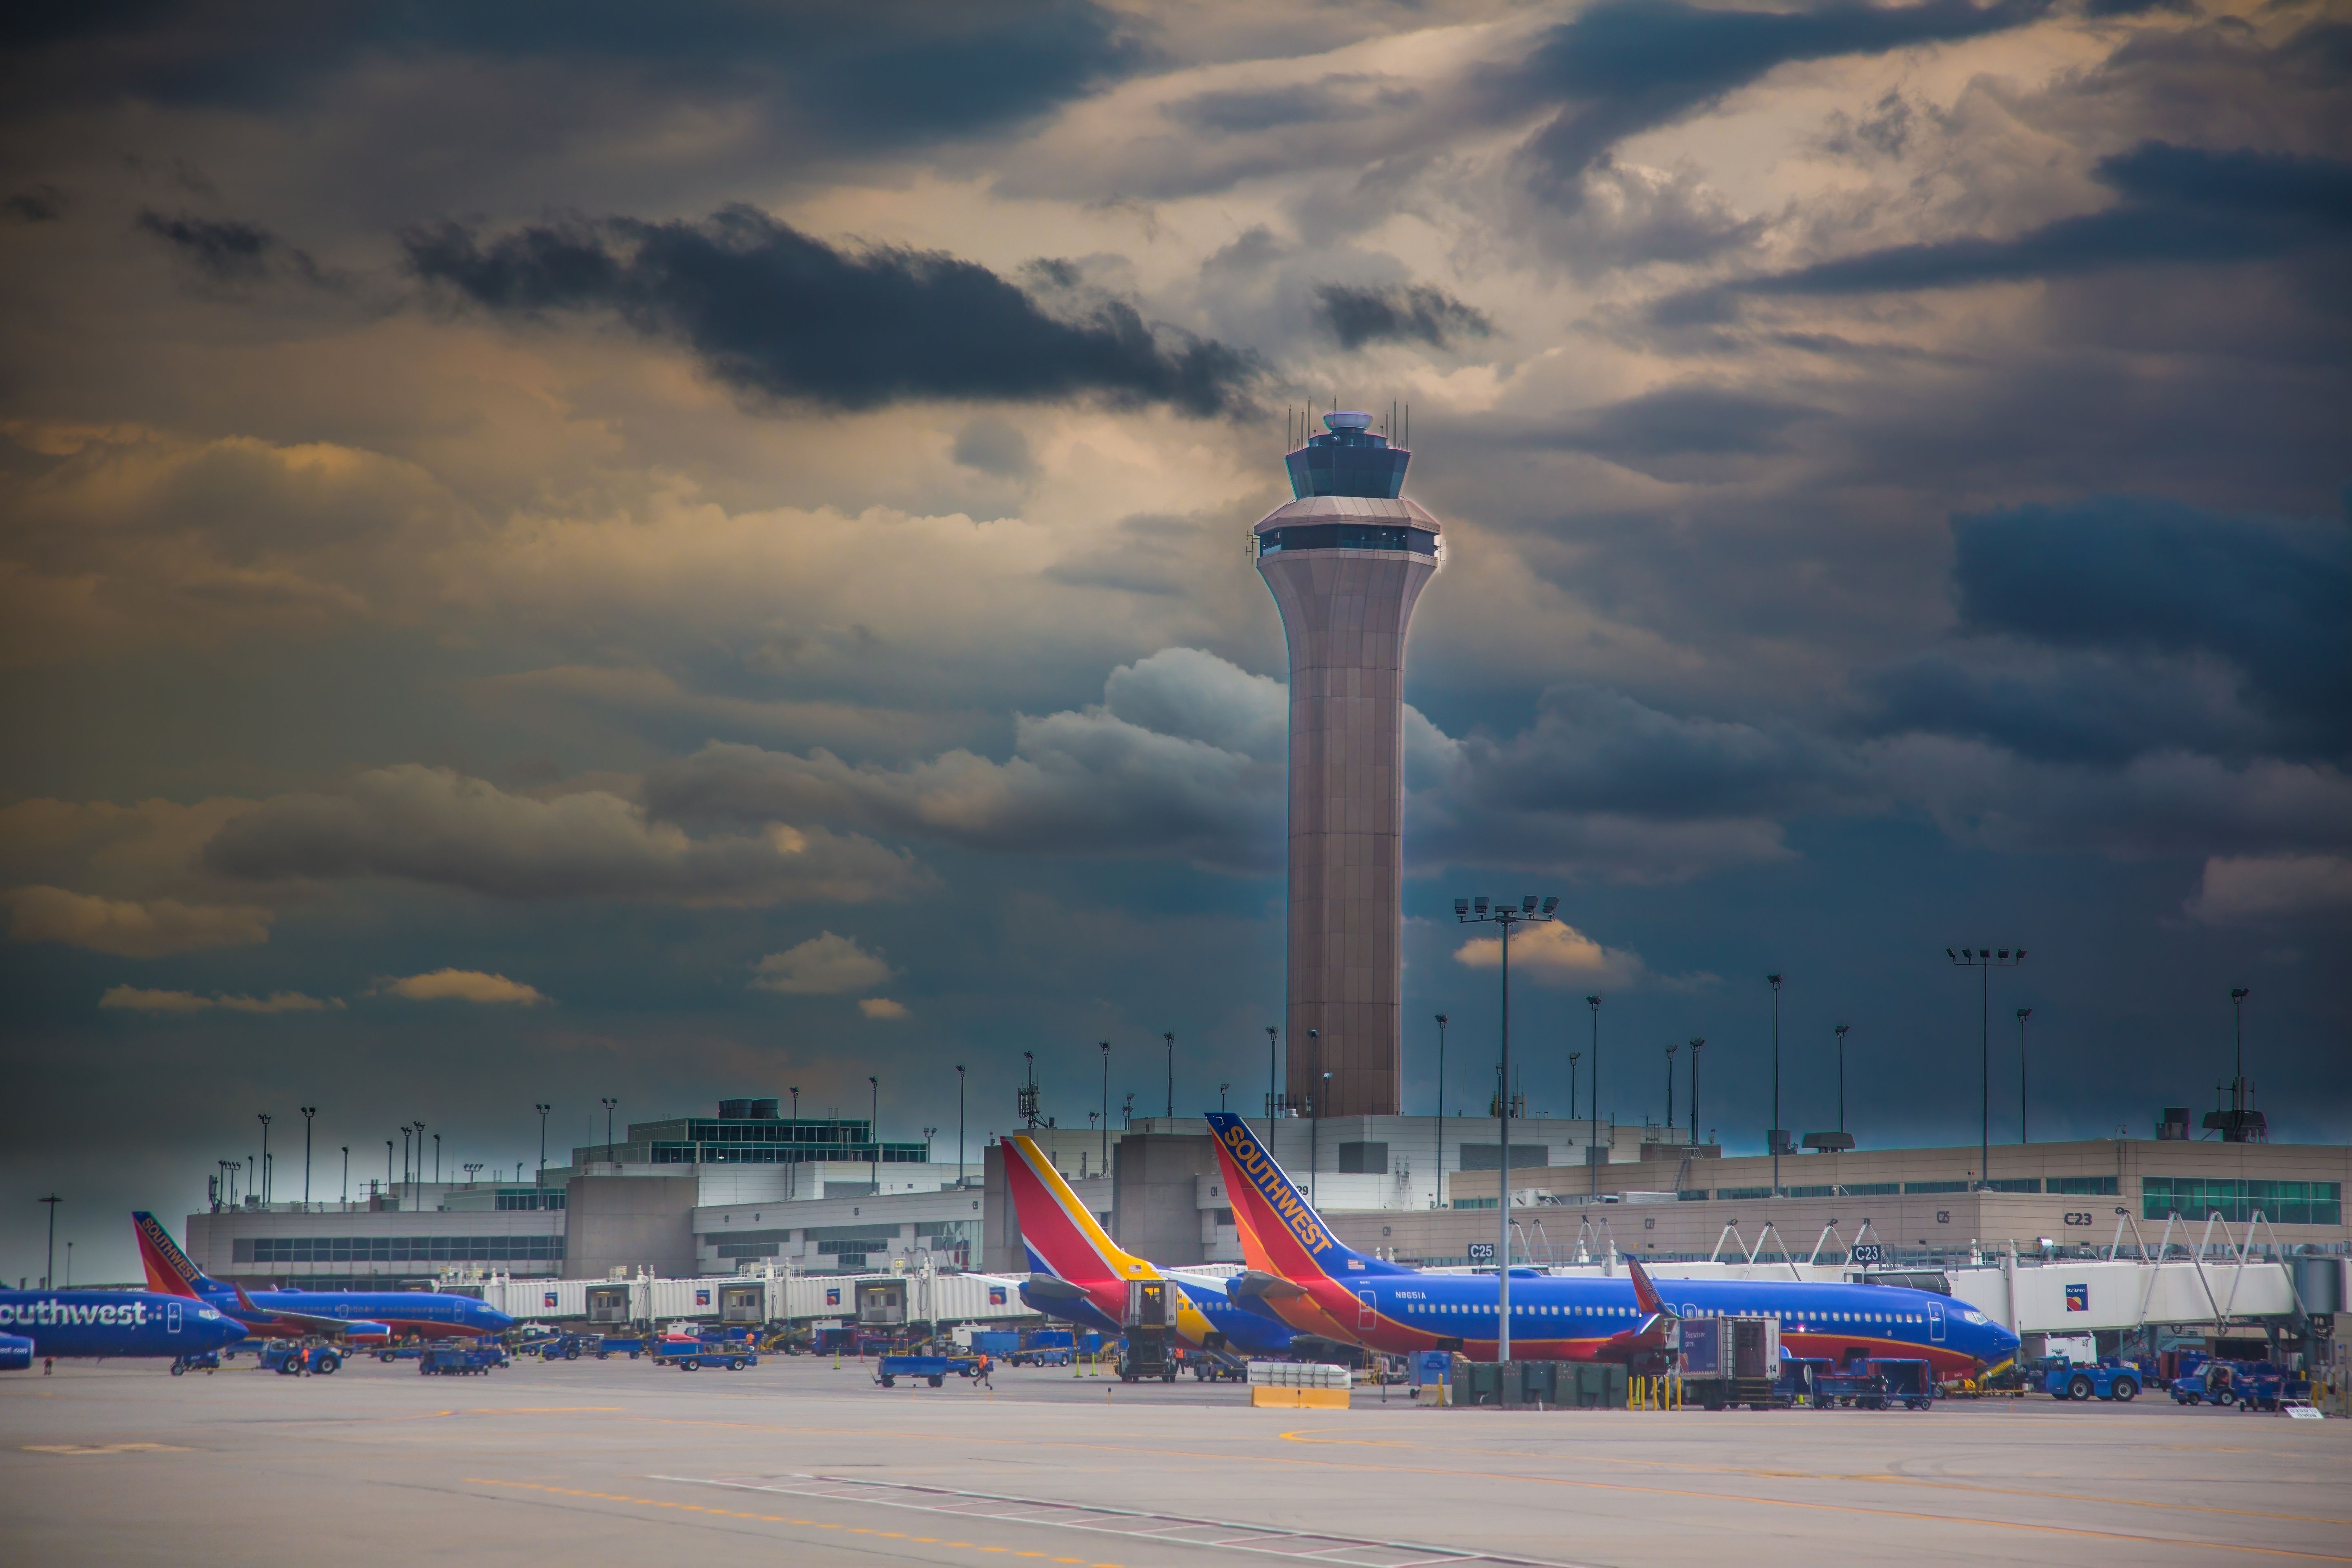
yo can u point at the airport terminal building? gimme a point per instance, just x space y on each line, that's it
747 1192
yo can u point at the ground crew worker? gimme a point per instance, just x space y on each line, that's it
980 1375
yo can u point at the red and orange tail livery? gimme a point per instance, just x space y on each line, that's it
1282 1235
169 1271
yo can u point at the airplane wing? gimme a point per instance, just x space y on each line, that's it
258 1316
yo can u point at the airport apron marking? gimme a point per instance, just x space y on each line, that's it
766 1518
1313 1440
1823 1508
1165 1529
1563 1481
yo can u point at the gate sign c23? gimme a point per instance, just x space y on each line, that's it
1869 1252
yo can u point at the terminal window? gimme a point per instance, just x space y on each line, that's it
2086 1186
399 1248
2281 1202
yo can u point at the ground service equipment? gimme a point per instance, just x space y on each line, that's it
208 1361
290 1358
460 1358
934 1369
1729 1361
2065 1379
1147 1322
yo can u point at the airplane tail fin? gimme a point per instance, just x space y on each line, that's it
1646 1294
169 1271
1063 1239
1281 1232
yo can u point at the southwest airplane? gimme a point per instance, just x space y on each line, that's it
40 1324
348 1315
1080 1274
1318 1286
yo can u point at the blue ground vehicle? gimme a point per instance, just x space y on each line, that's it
209 1361
2064 1379
564 1347
2211 1383
399 1352
692 1354
291 1358
460 1358
936 1368
1042 1347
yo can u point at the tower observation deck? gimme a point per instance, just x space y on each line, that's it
1345 561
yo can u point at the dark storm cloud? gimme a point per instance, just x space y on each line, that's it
438 827
1682 420
771 310
1629 66
1333 99
2180 205
1397 313
225 250
36 203
2091 707
872 73
1594 751
2143 574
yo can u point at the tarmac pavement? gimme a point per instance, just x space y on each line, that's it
799 1461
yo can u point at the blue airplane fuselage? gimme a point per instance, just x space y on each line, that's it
107 1323
1563 1317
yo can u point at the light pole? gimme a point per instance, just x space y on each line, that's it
1171 1075
2022 1014
1699 1042
263 1170
1220 1093
1593 1132
404 1131
1025 1100
795 1092
2238 994
1503 919
420 1164
1270 1050
49 1279
308 1111
543 1107
1438 1202
874 1131
959 1127
234 1167
221 1194
387 1165
1777 1135
437 1159
1840 1039
608 1105
1105 1105
1984 960
347 1175
69 1262
1671 1049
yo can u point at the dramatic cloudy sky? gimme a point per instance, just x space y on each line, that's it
555 552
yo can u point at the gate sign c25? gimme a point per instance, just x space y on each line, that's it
1482 1252
1869 1252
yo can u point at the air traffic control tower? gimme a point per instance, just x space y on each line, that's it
1345 561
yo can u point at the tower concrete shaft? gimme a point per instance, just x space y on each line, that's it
1345 568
